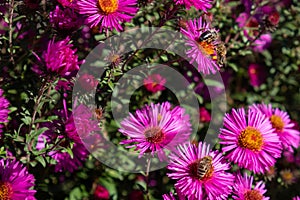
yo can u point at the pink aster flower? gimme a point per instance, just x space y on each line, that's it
3 110
61 58
101 193
296 198
64 19
282 125
154 83
204 115
64 131
262 43
15 181
88 82
108 13
210 184
156 127
198 4
257 74
243 189
249 140
169 196
203 53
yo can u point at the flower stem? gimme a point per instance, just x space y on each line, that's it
147 178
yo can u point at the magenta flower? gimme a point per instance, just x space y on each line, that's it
155 128
283 126
198 4
60 58
204 115
214 184
257 74
249 140
169 196
262 43
87 82
296 198
101 193
65 19
203 53
108 13
243 189
154 83
64 131
68 3
15 181
4 104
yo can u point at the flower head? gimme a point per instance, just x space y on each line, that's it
262 43
3 110
156 127
200 173
203 52
249 140
204 115
63 134
243 189
283 126
60 58
88 82
257 74
198 4
65 19
101 193
154 83
15 181
108 13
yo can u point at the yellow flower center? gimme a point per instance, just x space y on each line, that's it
250 138
277 122
287 176
154 135
253 195
5 191
207 48
108 6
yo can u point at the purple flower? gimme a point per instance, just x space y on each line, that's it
60 58
169 196
211 184
155 83
249 140
257 74
15 181
296 198
198 4
155 128
243 189
202 52
282 125
63 134
65 19
262 43
108 13
4 104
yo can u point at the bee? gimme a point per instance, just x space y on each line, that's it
221 53
98 113
212 37
204 165
209 36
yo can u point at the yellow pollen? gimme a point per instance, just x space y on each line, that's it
277 122
5 191
159 117
207 48
253 195
108 6
154 135
250 138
